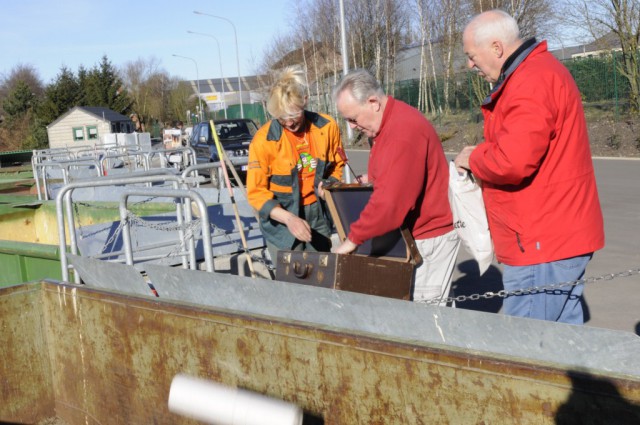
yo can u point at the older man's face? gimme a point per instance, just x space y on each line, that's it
482 58
364 117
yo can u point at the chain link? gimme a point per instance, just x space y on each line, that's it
560 287
190 229
97 206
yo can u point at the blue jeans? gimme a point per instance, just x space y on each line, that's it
563 304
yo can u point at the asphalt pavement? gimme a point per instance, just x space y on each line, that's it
613 300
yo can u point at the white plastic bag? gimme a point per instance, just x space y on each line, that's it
470 217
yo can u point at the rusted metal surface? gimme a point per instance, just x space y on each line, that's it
26 390
113 356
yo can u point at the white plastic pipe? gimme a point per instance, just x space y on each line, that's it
217 404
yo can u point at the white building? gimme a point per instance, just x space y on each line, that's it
86 126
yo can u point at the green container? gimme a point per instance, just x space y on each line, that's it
25 262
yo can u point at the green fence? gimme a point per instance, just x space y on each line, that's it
598 78
253 111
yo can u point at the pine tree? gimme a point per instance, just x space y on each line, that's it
19 100
103 87
60 96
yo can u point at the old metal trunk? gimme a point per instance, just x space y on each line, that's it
356 273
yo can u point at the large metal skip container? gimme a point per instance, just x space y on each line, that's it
93 356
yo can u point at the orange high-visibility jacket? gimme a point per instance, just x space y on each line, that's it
272 175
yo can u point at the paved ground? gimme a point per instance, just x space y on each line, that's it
611 304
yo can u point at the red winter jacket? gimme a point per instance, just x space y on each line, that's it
535 165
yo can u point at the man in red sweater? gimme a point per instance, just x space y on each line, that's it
410 177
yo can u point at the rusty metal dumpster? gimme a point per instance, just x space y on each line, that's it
89 356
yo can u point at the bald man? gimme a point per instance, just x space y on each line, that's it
536 170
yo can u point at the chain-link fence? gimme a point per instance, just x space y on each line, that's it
599 80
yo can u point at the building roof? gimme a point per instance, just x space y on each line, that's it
104 113
99 112
606 43
214 85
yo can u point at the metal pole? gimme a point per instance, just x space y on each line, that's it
224 104
197 83
345 70
235 34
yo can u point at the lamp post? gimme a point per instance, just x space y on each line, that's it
197 79
235 34
221 74
345 69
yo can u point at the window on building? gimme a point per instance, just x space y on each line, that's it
78 134
92 133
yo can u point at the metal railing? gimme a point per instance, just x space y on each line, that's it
64 207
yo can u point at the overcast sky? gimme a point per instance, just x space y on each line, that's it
48 34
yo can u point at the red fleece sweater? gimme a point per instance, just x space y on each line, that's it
410 177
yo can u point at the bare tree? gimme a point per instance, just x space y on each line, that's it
536 18
449 30
424 15
157 96
375 30
619 17
139 77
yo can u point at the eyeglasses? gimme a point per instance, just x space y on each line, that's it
291 116
353 121
291 119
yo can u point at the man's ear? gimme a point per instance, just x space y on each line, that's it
497 48
374 102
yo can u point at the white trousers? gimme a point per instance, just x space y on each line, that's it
432 279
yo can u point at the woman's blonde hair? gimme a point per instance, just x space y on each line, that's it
288 95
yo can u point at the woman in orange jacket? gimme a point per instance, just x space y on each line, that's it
290 158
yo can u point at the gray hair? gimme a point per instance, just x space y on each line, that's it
360 83
492 25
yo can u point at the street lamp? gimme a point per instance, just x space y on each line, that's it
197 79
345 69
221 74
235 34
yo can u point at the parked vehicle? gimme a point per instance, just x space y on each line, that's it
235 136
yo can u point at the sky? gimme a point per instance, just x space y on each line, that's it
48 34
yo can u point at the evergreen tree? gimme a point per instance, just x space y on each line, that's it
83 76
60 96
19 100
103 87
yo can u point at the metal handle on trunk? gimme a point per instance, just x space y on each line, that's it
302 274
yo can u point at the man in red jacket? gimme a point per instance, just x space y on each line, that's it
535 165
410 177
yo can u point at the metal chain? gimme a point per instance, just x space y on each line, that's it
115 235
103 207
189 234
190 230
167 226
533 289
